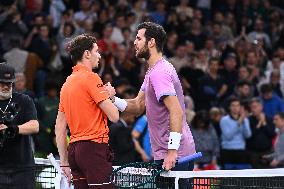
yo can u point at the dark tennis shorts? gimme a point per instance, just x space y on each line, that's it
91 164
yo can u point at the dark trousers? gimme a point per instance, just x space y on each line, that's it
17 179
257 161
235 159
91 165
169 183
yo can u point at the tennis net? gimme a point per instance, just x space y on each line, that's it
213 179
45 173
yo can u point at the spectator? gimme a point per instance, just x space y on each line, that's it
47 112
212 86
116 35
276 83
263 131
272 103
140 134
215 115
277 158
229 72
85 13
235 129
259 33
20 86
24 61
11 26
206 140
180 59
16 56
243 91
120 140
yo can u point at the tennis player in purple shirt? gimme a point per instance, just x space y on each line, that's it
162 95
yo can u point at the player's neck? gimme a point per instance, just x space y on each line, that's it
154 58
87 64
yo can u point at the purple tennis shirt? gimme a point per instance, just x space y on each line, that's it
162 80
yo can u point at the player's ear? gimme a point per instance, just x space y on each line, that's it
87 54
152 42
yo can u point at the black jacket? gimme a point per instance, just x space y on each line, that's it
261 138
121 142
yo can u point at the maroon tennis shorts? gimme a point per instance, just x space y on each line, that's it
91 164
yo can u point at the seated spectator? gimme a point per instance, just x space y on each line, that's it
272 103
263 131
235 130
215 115
206 140
277 158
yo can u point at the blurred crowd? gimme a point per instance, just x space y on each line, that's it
229 55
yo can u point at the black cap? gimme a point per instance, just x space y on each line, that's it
7 73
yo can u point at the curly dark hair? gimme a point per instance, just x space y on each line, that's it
155 31
78 45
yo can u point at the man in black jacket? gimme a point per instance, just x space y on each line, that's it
263 131
121 140
18 120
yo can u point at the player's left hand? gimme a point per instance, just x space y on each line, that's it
170 160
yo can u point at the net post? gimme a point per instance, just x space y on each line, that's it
176 182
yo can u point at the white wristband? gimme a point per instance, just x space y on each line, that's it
174 141
121 104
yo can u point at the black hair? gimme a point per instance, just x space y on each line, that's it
243 82
79 45
155 31
280 114
213 59
266 88
234 99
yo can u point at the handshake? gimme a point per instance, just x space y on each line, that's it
111 91
121 104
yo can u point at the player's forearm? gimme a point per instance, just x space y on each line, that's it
176 120
134 107
61 142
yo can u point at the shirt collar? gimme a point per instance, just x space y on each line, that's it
80 67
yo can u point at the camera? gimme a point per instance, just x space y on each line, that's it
7 117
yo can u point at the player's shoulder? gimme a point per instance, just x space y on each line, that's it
164 67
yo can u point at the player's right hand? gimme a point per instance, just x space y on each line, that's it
67 173
170 160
